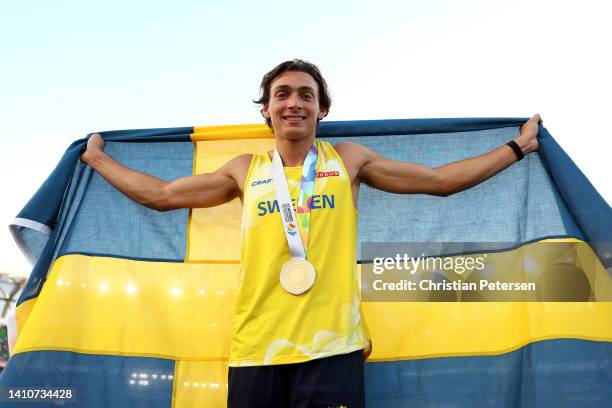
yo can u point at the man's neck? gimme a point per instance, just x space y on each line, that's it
293 152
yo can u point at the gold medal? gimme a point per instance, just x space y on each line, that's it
297 276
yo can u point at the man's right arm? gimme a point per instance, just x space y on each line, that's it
204 190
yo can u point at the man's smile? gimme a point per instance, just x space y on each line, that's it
294 118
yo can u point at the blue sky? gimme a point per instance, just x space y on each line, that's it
73 67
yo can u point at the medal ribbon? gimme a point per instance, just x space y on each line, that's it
296 227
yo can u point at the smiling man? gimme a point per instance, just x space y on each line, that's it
298 335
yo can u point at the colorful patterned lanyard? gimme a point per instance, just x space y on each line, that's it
309 172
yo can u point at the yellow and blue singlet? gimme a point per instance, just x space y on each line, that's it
270 325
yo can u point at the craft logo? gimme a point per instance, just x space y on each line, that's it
260 182
321 174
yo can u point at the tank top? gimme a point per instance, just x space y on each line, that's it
271 326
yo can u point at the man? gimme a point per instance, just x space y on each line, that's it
298 334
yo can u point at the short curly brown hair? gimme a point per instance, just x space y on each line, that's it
297 65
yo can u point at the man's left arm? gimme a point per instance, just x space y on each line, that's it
405 178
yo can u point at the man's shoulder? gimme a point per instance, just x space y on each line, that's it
347 146
243 159
351 153
237 169
241 163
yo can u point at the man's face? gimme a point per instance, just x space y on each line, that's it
294 105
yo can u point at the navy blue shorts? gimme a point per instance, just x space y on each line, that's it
326 382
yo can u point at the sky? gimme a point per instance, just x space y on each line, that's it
68 68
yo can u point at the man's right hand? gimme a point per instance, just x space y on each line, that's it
94 144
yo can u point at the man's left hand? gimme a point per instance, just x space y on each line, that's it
527 140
